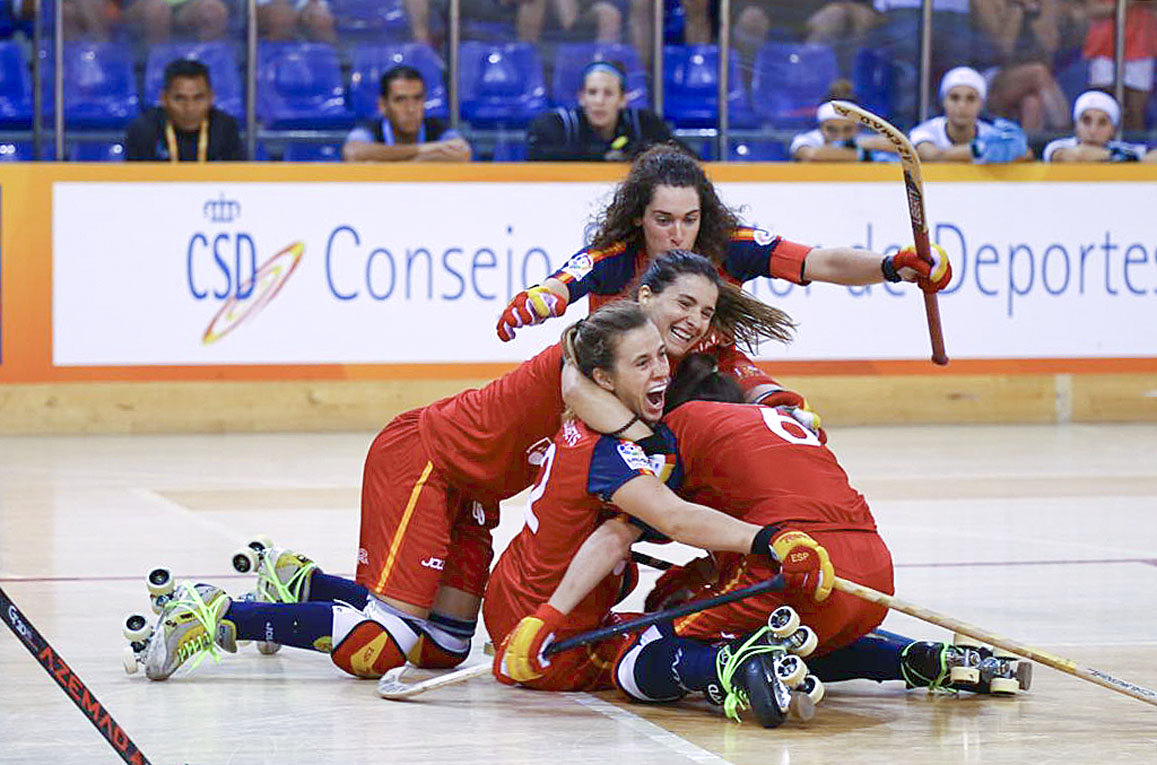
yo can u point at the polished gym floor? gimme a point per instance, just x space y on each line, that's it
1046 534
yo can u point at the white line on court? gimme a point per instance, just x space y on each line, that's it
659 735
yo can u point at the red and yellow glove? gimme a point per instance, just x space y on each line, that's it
529 307
908 265
804 563
519 657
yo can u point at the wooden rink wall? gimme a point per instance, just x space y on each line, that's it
38 397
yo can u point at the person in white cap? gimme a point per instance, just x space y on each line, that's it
960 135
1096 116
835 140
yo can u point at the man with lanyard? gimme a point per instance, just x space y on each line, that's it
186 127
601 128
404 133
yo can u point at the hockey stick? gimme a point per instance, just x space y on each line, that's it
1044 657
391 686
70 682
647 560
914 183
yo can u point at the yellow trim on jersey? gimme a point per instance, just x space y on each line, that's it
401 532
596 256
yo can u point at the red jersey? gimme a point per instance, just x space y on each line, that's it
756 464
581 471
489 440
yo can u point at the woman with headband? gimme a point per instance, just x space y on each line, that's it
960 135
1096 116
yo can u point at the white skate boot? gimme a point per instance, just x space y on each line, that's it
190 626
282 577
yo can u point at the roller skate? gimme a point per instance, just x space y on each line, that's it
190 626
766 672
282 577
137 629
964 664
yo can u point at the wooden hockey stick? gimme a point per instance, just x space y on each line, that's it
391 685
1044 657
914 183
70 682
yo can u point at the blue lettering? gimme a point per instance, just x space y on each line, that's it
477 265
219 259
1108 247
446 264
329 262
1130 261
959 264
250 283
980 261
411 255
370 278
189 265
1085 250
1012 285
1045 269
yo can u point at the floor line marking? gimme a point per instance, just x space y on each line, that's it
656 733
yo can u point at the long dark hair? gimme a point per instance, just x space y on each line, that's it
665 165
739 317
590 343
698 379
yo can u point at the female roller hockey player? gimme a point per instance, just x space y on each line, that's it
764 469
667 203
432 483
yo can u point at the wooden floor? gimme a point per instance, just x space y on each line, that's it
1047 534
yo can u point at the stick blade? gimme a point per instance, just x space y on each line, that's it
391 686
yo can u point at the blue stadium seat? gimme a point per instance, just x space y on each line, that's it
691 88
299 85
1072 74
97 151
510 150
23 151
378 19
15 87
790 80
500 83
570 58
299 151
873 81
100 90
370 62
224 74
758 151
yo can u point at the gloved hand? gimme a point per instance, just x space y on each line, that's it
519 657
676 585
1005 143
907 264
529 307
807 418
804 562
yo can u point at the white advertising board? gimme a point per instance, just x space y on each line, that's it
364 273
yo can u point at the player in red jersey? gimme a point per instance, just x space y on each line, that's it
586 480
667 202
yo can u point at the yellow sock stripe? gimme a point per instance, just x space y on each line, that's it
401 532
688 620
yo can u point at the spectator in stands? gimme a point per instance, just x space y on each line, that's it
1096 116
600 19
1017 42
186 127
527 16
960 135
602 128
83 19
836 139
1140 52
283 19
404 132
159 19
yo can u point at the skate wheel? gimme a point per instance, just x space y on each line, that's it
1024 674
245 560
791 670
813 687
964 676
770 701
158 602
259 543
267 648
783 621
804 641
1004 686
963 641
129 660
136 628
802 707
160 581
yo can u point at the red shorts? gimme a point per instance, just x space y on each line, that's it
417 531
860 556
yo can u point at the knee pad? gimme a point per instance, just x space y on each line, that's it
639 681
366 644
429 655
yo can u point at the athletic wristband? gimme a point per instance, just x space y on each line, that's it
761 545
619 432
889 270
